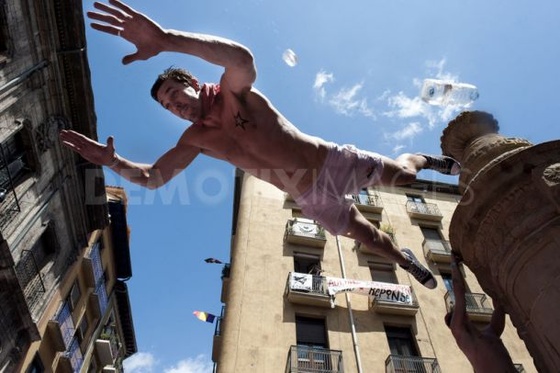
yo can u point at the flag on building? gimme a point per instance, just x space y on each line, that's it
204 316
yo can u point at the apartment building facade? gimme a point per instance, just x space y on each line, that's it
53 204
87 325
297 299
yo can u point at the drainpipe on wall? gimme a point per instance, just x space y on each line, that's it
350 314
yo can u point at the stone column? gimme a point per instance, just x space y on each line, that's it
507 226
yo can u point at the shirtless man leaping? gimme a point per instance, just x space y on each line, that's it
234 122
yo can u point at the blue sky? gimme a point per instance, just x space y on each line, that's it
360 66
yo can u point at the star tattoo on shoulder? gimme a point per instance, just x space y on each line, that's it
239 121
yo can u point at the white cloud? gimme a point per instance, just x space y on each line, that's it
145 362
398 107
321 78
398 148
140 362
408 132
199 364
347 102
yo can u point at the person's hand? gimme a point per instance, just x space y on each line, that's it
121 20
94 152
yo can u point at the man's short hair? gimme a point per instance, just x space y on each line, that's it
175 73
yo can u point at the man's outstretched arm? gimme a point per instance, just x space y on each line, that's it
151 39
460 308
147 175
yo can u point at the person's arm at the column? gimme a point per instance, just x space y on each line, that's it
460 308
498 320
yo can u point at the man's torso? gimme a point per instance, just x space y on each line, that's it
251 134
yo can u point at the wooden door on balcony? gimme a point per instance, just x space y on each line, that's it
402 344
311 335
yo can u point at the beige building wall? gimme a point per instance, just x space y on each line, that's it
258 325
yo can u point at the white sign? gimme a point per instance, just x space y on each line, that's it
301 281
383 291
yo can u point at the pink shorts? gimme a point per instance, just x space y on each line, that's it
346 171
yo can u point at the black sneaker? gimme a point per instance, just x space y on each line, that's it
442 163
421 273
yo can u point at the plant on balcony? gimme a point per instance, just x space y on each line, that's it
320 231
388 228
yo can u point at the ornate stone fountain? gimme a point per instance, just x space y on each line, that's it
507 226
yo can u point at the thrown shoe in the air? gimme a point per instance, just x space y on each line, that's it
420 273
441 163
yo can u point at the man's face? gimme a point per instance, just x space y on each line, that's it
180 99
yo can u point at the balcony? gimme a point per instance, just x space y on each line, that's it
306 359
217 341
72 360
62 328
225 282
30 279
9 207
370 202
104 352
301 231
423 211
411 364
478 307
438 251
311 290
399 301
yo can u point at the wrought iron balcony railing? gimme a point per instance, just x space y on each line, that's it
478 305
303 288
62 328
307 359
397 303
305 232
217 340
425 211
438 251
411 364
30 279
368 202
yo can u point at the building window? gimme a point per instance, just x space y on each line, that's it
431 233
36 365
14 162
383 272
82 329
414 198
311 338
3 34
307 263
311 332
75 294
401 341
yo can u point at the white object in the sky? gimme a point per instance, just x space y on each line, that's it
290 57
439 92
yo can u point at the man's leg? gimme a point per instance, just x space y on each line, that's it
405 167
360 229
